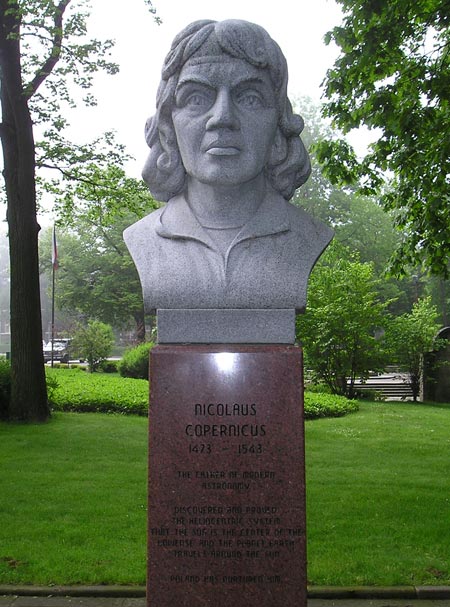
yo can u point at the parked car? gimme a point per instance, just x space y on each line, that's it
61 348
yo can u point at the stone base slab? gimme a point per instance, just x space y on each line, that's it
223 326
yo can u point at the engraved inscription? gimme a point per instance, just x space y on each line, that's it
233 532
216 532
219 425
225 511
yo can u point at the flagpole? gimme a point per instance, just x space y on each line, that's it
53 310
54 268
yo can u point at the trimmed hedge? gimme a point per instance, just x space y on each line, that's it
74 390
328 405
135 361
98 392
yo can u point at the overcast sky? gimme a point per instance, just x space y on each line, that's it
127 99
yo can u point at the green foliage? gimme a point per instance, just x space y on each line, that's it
327 405
96 275
342 316
318 196
52 385
369 231
316 387
439 291
99 392
5 387
360 223
58 61
393 75
109 366
135 363
94 343
104 196
410 336
369 394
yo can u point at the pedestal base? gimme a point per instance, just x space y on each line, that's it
226 477
222 326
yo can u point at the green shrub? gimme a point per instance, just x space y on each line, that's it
68 366
98 392
52 385
5 387
93 343
135 362
59 365
109 366
318 387
327 405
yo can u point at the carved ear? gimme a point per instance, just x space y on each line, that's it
278 150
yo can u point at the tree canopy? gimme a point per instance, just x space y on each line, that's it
412 335
393 75
342 316
360 223
96 275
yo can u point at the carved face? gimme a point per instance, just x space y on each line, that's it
225 120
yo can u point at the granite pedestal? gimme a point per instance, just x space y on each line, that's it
226 477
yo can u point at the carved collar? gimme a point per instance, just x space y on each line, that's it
178 221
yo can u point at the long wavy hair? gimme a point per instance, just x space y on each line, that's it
288 166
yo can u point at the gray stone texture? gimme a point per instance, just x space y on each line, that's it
266 266
226 326
226 154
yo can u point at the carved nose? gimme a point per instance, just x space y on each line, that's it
223 113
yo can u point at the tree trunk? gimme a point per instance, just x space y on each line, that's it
414 382
443 301
28 387
341 382
139 319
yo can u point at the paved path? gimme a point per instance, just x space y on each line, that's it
56 601
133 596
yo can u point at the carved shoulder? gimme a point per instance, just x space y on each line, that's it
137 235
313 231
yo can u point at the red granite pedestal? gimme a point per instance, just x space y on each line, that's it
226 477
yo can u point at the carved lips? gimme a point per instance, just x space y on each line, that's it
222 149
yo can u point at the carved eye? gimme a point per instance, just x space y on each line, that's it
194 98
250 100
197 100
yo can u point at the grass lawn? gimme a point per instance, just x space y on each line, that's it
73 500
379 496
73 493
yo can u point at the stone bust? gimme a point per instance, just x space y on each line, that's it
226 155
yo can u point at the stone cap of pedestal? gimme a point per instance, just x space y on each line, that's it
226 326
